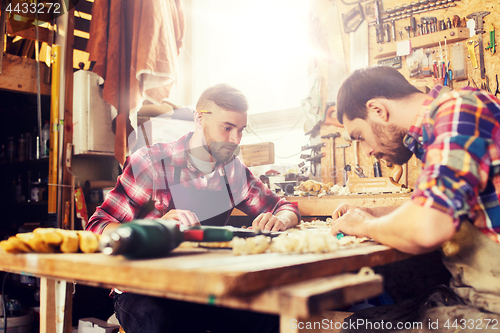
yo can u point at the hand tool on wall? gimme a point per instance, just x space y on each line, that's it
478 19
413 25
377 171
491 43
379 27
472 53
357 169
448 24
141 239
407 10
408 30
353 19
393 29
332 136
456 21
315 157
496 90
387 29
346 166
313 147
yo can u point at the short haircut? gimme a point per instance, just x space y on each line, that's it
225 96
364 84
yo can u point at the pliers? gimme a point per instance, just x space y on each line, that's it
496 78
359 171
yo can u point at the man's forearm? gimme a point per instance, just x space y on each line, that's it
110 228
412 229
292 219
381 211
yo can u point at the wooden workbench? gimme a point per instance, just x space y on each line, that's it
324 206
291 285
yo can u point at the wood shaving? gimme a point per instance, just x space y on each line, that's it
295 241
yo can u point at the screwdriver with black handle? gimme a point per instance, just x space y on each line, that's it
156 238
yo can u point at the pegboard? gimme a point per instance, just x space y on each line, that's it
462 8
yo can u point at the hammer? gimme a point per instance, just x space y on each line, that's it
332 136
346 167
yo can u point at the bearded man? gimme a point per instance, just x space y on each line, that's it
195 180
455 204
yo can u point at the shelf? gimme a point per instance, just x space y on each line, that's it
429 40
31 203
27 162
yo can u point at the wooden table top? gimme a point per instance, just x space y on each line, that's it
198 272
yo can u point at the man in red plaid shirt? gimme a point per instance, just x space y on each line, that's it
197 179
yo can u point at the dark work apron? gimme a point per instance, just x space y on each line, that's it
211 207
470 304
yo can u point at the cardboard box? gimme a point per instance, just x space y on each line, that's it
94 325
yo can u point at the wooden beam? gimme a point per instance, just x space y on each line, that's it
30 33
19 75
67 177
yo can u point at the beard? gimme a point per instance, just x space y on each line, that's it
390 139
220 151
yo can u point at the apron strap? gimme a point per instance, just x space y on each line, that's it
177 180
229 190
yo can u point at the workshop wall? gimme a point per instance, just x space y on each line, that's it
411 66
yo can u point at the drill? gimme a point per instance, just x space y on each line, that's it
155 238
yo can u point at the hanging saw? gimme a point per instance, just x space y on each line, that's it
491 43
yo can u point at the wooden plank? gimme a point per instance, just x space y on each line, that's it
19 75
258 154
324 206
199 271
47 305
301 299
310 298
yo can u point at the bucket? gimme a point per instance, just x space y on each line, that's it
19 324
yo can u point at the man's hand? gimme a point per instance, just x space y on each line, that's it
270 222
354 221
344 208
185 217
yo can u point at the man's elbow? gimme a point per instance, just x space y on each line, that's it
433 233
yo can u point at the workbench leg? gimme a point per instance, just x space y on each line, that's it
52 305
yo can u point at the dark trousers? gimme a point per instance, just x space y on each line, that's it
145 314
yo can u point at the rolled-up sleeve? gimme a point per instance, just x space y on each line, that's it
456 162
132 191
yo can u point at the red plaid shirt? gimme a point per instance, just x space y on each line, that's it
144 179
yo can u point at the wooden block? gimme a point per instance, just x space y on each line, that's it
19 75
430 40
373 185
258 154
